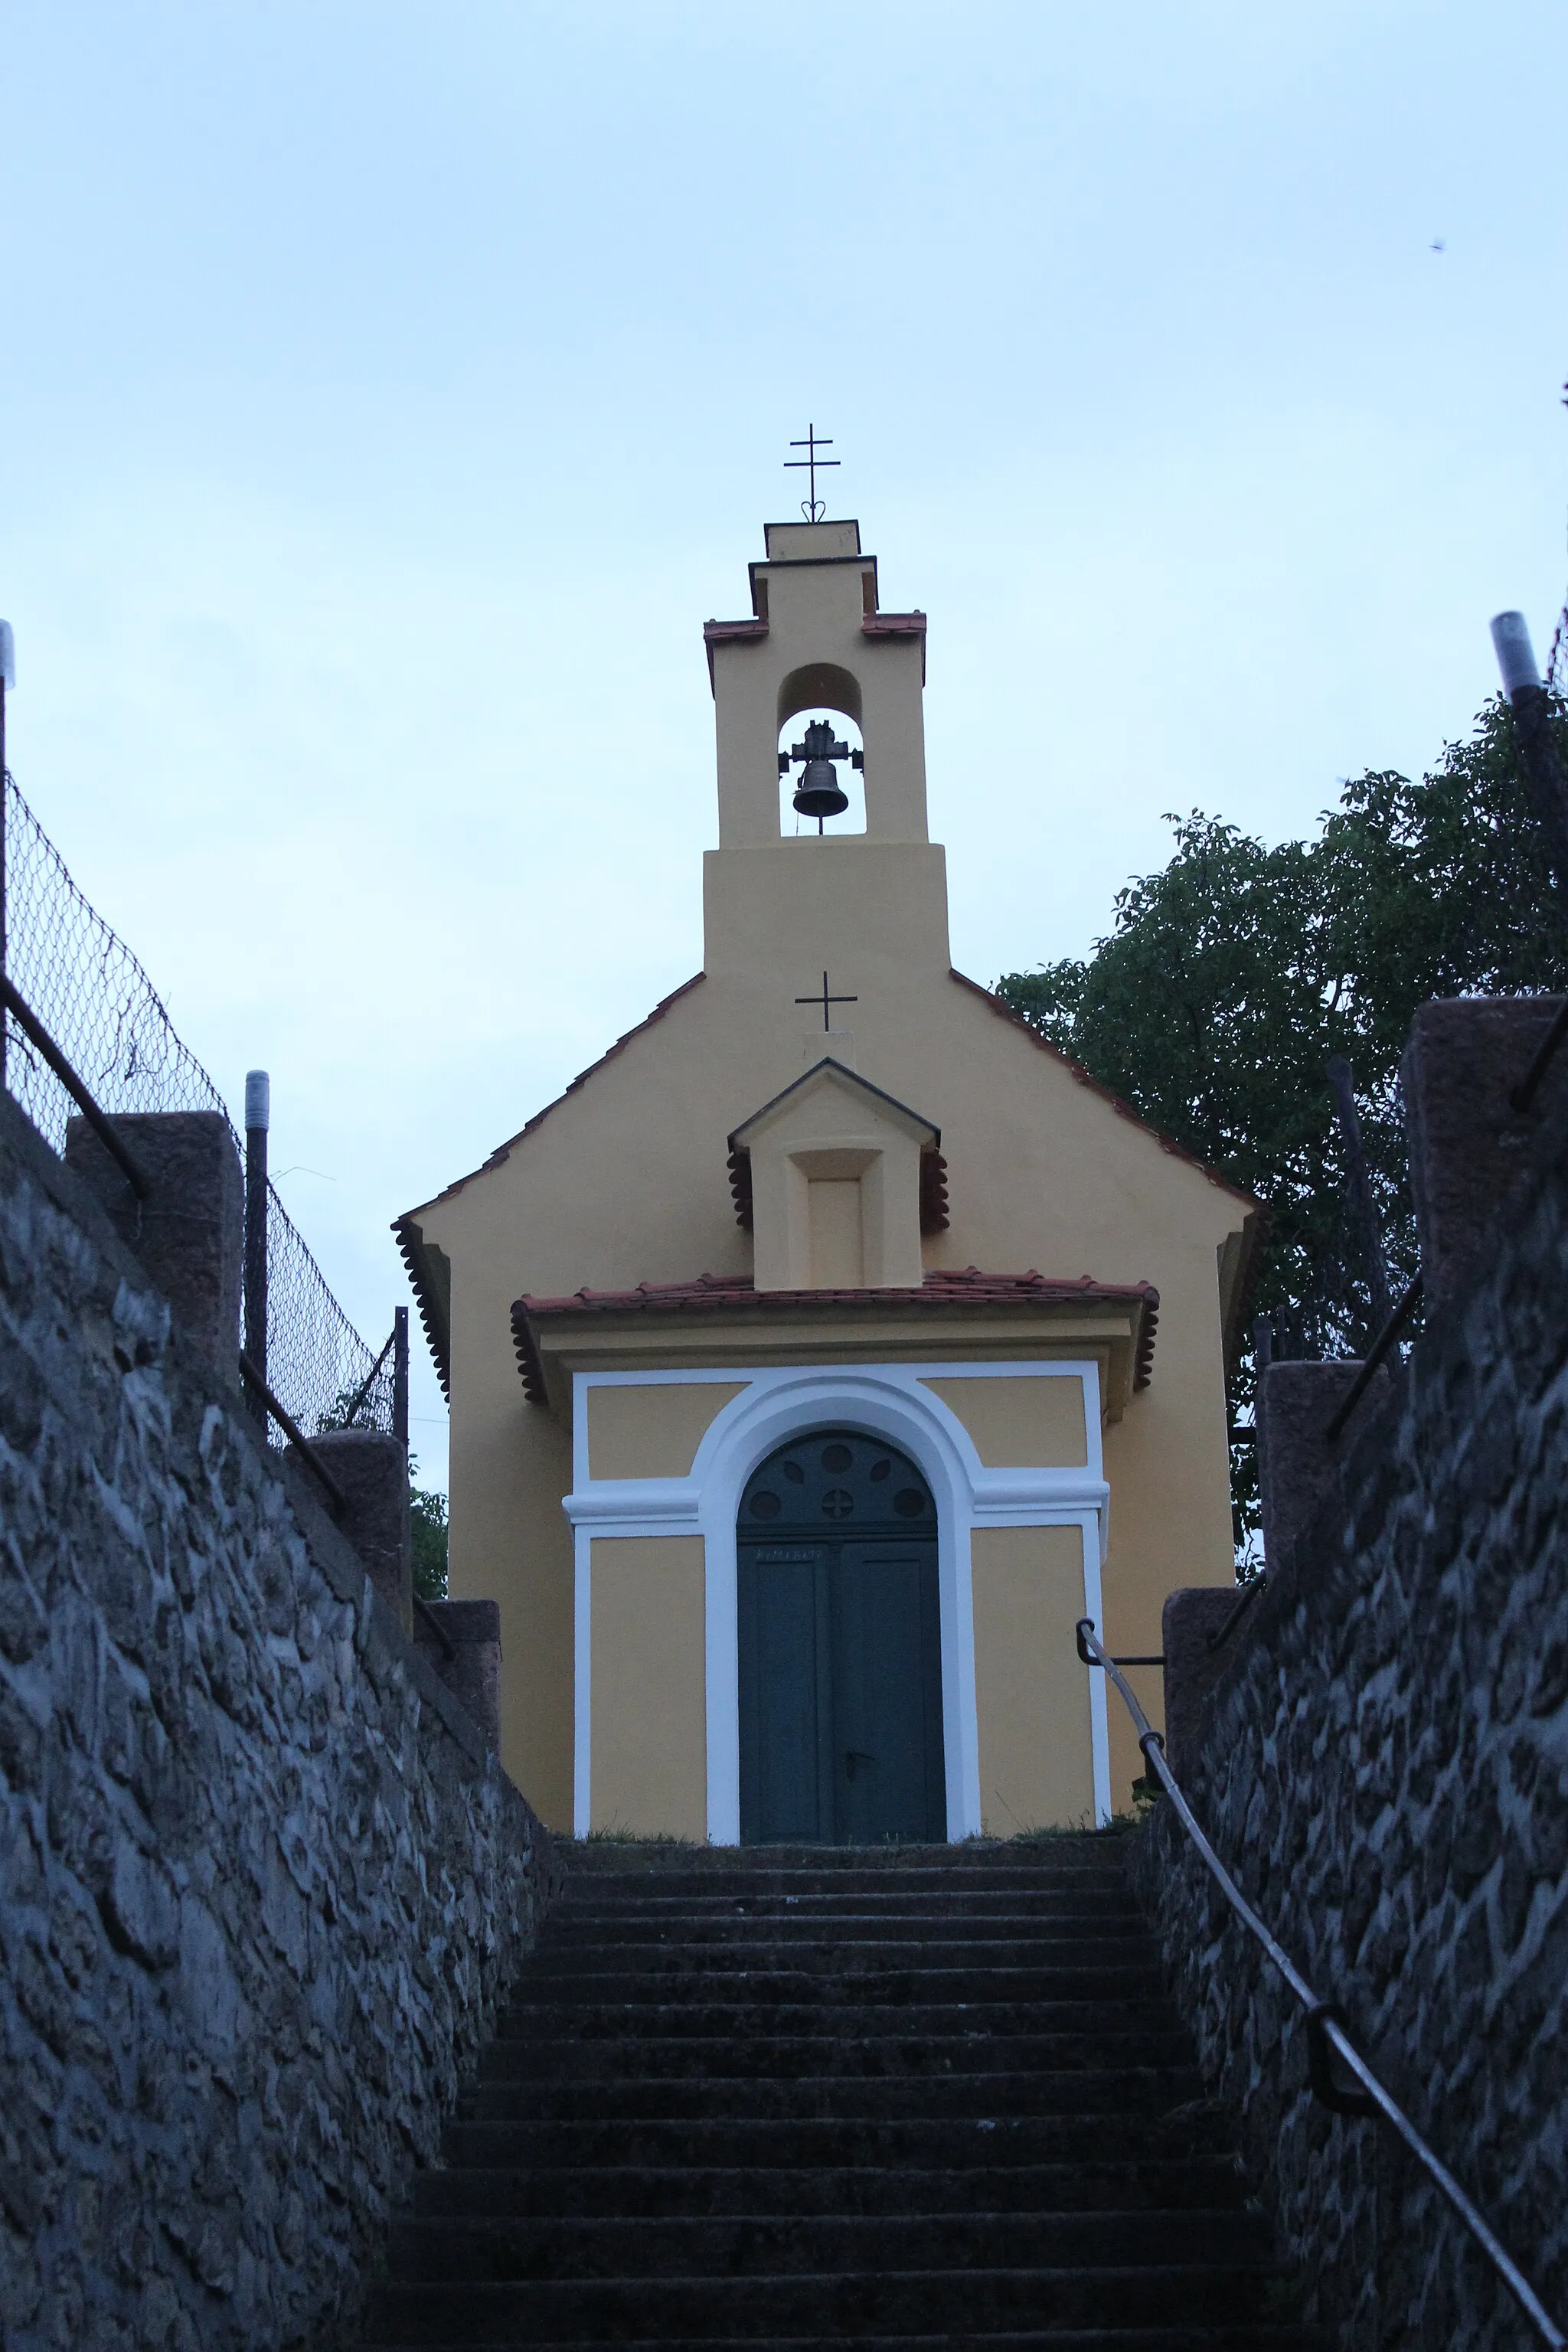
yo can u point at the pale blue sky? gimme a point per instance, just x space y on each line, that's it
390 394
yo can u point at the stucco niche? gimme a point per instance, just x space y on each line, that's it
836 1185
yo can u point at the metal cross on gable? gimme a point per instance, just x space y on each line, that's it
825 1001
812 507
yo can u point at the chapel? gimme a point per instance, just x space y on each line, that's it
833 1344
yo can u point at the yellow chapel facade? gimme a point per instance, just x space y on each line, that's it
833 1344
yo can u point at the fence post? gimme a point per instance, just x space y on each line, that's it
1358 1185
400 1376
7 680
258 1120
1531 706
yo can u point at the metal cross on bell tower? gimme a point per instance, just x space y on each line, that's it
812 507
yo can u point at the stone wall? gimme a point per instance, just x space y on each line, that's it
1384 1767
262 1882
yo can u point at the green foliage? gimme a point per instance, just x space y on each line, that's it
349 1409
1231 976
428 1514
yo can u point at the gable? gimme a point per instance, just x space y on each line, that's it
1114 1102
830 1100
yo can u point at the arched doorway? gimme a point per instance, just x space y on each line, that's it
840 1662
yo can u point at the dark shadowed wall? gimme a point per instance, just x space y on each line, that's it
1384 1767
262 1883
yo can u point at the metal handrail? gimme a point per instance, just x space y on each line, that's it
291 1430
32 1028
1374 1356
428 1614
1219 1636
1325 2024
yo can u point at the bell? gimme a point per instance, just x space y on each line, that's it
820 793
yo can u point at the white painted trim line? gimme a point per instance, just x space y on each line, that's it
582 1683
1099 1721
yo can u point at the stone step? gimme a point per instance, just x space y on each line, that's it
617 1858
647 2188
734 2004
968 2303
895 2100
868 1918
868 2143
1256 2336
926 1941
870 2048
938 1888
760 1883
526 2248
1134 2093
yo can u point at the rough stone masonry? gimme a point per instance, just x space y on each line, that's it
1383 1763
262 1881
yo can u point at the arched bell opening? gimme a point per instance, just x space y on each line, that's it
821 751
839 1647
822 786
819 687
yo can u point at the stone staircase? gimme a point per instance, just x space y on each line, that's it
898 2098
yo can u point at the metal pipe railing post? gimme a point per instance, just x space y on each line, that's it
1358 1186
1539 755
257 1120
400 1376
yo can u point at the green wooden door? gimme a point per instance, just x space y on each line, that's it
840 1656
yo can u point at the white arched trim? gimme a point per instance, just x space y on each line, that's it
886 1401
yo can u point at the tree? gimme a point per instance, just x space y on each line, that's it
428 1511
1231 976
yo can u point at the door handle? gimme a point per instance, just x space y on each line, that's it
853 1756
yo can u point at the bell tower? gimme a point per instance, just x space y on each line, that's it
817 639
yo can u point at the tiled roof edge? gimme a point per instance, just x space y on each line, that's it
939 1288
437 1338
1144 1368
528 1363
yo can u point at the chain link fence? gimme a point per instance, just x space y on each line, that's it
95 1000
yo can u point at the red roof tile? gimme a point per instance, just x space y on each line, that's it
731 633
898 624
736 1294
